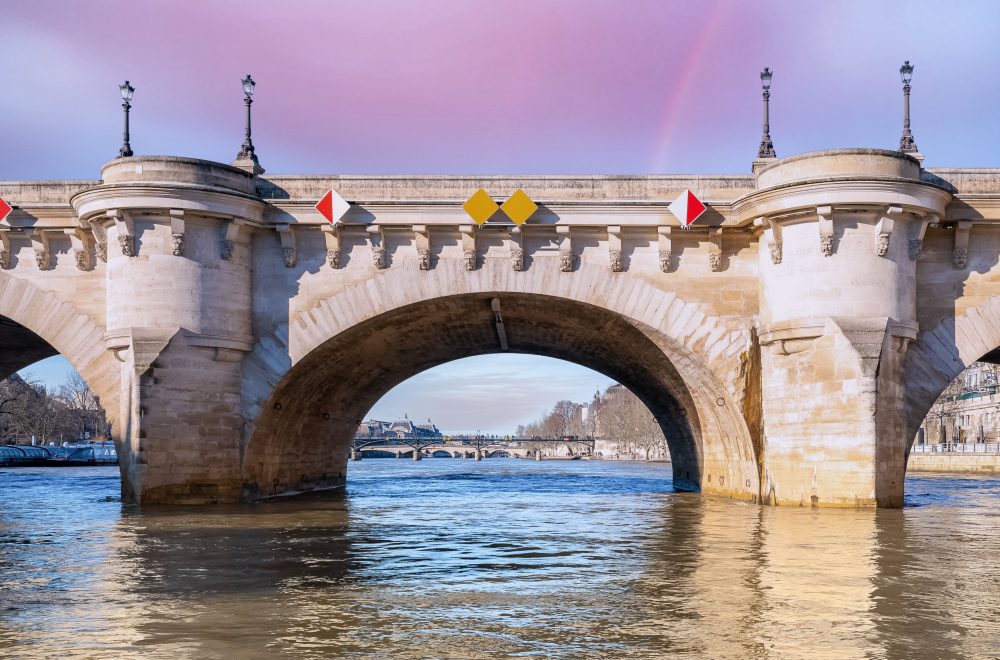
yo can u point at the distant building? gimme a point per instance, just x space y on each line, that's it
968 410
402 429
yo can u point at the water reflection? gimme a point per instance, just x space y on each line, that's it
452 559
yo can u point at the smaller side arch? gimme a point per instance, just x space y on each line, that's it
70 333
939 356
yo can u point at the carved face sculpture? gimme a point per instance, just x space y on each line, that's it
378 257
517 259
616 261
333 258
565 261
664 261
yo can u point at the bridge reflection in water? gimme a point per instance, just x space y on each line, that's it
566 559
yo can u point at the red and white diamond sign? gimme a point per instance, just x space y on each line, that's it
687 208
4 209
333 207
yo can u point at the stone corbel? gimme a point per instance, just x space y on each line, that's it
288 250
469 253
141 345
177 232
333 246
423 240
824 215
665 246
715 249
376 238
773 238
883 229
960 254
516 249
100 235
80 241
903 334
565 248
4 249
917 239
615 248
229 240
40 243
126 231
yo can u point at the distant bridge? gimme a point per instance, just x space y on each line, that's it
475 447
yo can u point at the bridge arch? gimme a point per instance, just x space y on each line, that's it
941 353
35 324
306 387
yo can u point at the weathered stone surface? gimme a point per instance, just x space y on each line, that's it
779 372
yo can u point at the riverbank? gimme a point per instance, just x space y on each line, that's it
954 462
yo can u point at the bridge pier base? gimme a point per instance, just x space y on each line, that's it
479 455
355 454
417 455
833 411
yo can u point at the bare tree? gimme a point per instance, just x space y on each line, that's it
942 415
39 415
624 420
15 392
85 412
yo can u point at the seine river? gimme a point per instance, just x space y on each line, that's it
503 558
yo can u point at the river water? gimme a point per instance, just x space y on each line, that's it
456 559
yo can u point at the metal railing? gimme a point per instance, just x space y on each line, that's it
958 448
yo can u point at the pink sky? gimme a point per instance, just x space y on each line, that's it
519 86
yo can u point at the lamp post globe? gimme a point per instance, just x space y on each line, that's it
906 72
248 85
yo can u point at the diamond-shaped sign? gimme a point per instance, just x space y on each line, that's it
333 207
480 206
687 208
519 207
5 209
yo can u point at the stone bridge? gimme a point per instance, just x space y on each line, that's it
474 447
789 345
441 451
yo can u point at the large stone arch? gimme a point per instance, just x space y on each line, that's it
344 349
45 321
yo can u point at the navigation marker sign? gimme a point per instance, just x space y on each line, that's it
687 208
333 207
5 209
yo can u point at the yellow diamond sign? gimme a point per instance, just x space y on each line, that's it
519 207
480 206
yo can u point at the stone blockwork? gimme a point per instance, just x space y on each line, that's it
789 344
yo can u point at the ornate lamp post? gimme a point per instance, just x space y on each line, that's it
766 147
246 151
906 144
127 90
